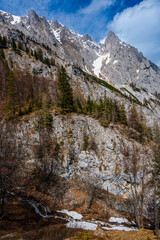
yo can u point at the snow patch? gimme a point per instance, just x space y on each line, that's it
121 228
82 225
16 19
123 44
74 215
57 34
97 64
115 61
118 220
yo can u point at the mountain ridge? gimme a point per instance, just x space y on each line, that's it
116 62
82 118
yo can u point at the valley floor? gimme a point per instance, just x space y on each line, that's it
22 223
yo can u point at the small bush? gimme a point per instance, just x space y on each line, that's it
85 142
85 237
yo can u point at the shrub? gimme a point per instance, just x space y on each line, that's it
85 142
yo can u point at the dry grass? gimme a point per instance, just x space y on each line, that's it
115 235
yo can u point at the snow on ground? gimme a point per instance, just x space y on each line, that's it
82 225
118 220
16 19
74 215
121 228
57 34
97 64
100 222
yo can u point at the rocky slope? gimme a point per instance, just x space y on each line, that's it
114 61
113 69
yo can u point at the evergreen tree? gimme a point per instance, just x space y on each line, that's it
89 105
11 91
27 50
14 46
4 41
20 47
35 55
123 116
2 56
40 55
66 95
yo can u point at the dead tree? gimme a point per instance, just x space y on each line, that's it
135 172
46 150
9 164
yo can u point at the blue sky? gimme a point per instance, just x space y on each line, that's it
134 21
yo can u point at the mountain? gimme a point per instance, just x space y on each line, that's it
85 156
88 54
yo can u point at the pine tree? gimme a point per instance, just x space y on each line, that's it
123 116
20 47
14 46
89 105
11 91
66 95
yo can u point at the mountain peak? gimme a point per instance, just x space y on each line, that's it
111 38
87 37
31 12
32 17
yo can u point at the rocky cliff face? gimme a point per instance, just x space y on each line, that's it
114 61
126 76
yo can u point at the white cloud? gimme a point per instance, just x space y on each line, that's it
139 26
97 5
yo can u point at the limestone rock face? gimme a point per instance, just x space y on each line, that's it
114 61
100 164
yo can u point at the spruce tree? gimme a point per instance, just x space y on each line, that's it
11 91
14 46
65 100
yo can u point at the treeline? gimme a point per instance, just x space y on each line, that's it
23 93
106 110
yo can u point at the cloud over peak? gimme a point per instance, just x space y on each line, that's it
139 26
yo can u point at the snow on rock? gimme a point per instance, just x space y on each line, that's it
74 215
115 61
97 64
57 34
118 220
121 228
82 225
16 19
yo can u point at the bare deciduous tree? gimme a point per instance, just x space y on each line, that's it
46 151
136 170
9 164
